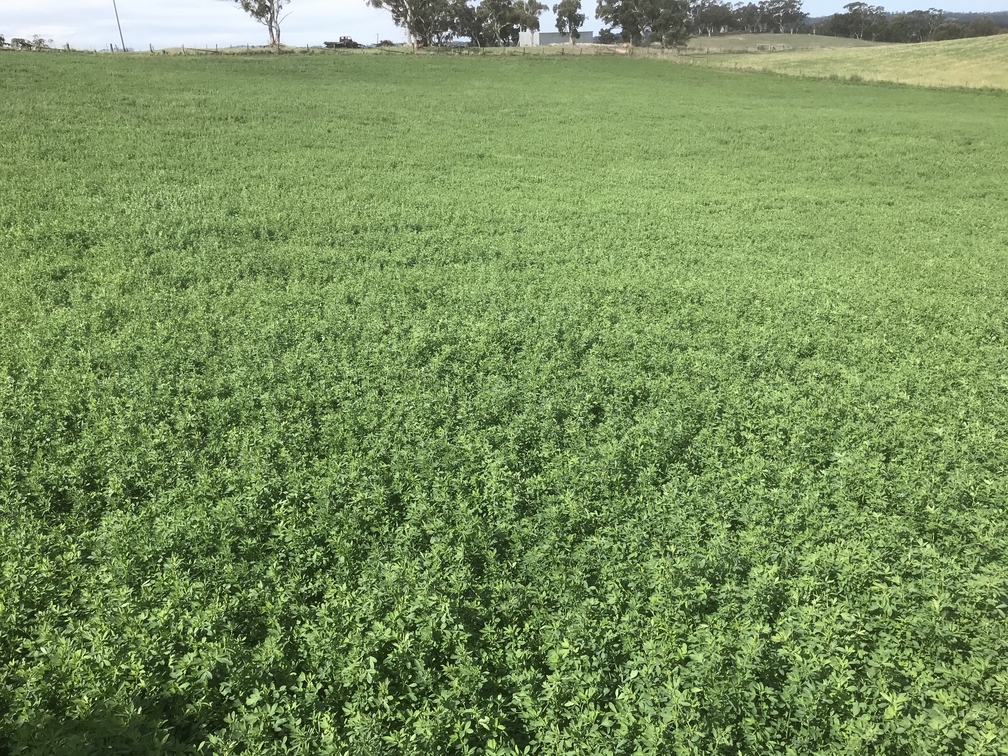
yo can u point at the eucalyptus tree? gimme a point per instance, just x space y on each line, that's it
269 13
425 22
645 21
711 17
569 18
866 20
527 13
783 15
500 20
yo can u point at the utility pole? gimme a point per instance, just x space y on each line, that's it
116 9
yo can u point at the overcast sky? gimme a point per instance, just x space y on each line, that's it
204 23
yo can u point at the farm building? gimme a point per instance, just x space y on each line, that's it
535 39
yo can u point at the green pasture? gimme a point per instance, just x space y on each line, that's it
394 404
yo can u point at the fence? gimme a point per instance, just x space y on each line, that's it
592 49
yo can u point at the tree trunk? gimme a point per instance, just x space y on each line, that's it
409 26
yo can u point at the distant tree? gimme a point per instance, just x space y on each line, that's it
3 42
441 25
982 27
624 14
835 26
864 20
668 23
464 21
269 13
782 15
568 18
915 26
606 37
935 18
710 17
949 30
499 20
527 13
426 22
646 21
492 23
749 17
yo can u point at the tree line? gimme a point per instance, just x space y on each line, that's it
859 20
709 17
637 22
864 21
20 43
489 23
492 23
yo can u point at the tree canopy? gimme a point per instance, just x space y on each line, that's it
569 18
268 13
863 21
646 21
489 23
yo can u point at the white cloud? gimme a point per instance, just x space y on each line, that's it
203 23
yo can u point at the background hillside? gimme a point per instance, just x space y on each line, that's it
977 62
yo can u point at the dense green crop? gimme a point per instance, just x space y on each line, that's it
489 405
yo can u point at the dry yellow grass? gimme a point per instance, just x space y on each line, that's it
981 62
742 43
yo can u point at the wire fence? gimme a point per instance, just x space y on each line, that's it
589 49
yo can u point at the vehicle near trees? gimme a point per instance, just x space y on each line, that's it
345 43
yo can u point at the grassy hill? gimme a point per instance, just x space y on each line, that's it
979 62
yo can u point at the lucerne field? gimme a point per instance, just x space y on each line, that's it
417 404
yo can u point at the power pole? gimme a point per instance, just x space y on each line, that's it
119 25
